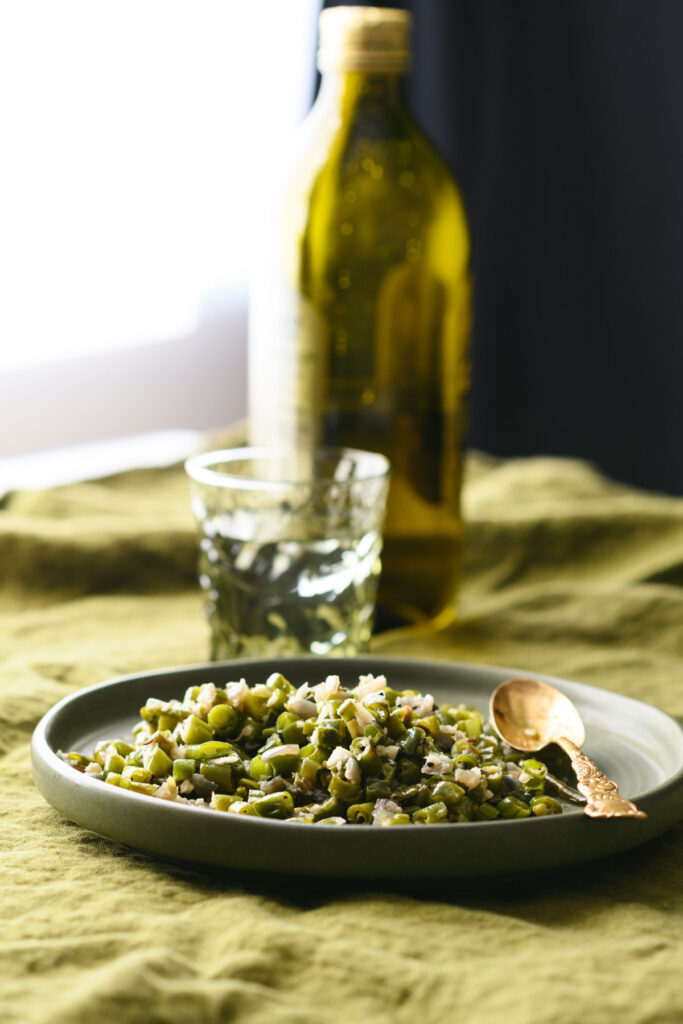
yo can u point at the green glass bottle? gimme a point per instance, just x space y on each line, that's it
360 306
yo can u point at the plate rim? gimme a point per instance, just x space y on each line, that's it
46 761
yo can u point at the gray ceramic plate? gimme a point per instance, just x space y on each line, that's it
636 744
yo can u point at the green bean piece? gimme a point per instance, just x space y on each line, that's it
542 805
564 790
377 709
137 774
449 793
387 770
165 741
464 810
290 729
511 807
465 761
419 794
361 814
277 700
319 754
376 789
183 769
258 769
408 770
373 733
157 762
400 818
280 763
476 794
344 790
79 761
145 788
535 772
114 763
274 805
114 779
368 759
331 732
224 719
195 731
431 815
466 747
167 723
242 807
151 710
333 806
276 681
472 727
220 774
488 747
208 750
347 710
309 768
252 733
256 700
142 731
412 741
485 812
121 747
222 801
284 719
493 774
430 724
396 724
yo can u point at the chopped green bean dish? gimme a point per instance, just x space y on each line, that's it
367 755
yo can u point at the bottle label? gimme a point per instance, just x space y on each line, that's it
286 367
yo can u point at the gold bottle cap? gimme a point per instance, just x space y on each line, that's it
364 39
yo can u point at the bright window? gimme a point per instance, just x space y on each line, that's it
135 136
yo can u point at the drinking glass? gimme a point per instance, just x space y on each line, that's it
289 553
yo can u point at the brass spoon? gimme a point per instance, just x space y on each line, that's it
528 715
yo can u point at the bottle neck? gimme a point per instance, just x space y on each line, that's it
347 91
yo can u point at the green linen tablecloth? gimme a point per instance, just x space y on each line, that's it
567 573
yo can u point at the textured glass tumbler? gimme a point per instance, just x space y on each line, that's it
289 554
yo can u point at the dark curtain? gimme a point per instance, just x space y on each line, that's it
563 123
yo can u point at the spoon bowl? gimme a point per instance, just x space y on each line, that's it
530 715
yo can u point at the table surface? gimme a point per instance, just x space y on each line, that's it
566 573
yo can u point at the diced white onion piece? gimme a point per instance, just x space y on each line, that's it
391 752
384 811
340 755
352 771
236 693
302 707
468 777
363 716
284 748
325 690
437 764
422 704
370 684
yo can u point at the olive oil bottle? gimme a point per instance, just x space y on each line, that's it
360 304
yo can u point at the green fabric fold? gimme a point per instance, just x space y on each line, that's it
566 573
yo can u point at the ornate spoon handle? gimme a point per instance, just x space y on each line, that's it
603 799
